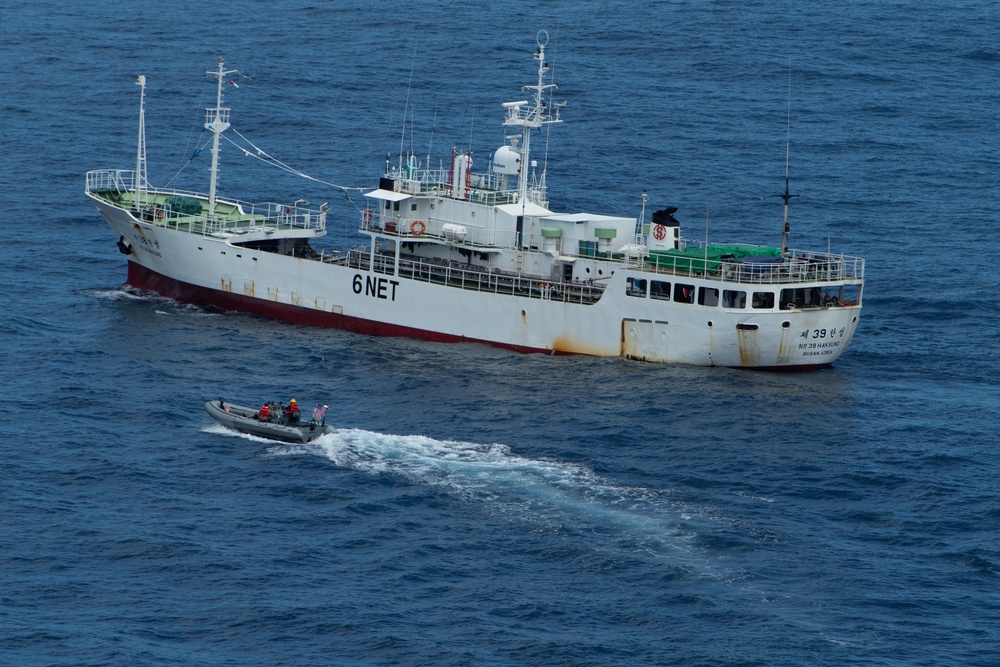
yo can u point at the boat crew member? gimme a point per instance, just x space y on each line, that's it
265 412
292 412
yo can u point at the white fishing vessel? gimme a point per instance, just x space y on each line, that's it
451 254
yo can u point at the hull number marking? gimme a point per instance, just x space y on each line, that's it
818 346
380 288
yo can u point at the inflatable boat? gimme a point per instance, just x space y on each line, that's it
277 427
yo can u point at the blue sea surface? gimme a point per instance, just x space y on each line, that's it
480 507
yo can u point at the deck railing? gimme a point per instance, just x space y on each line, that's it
794 266
118 186
482 188
475 278
414 228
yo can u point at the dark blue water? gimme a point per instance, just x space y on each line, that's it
482 507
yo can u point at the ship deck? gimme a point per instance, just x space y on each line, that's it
232 218
188 211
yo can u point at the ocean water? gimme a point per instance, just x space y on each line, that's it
481 507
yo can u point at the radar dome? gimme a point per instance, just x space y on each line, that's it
506 161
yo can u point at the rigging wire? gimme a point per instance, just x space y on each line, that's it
265 157
196 123
406 108
197 151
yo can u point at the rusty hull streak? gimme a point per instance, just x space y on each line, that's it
711 347
747 341
787 345
564 344
623 347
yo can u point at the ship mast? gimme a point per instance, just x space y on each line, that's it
141 184
217 121
787 197
532 117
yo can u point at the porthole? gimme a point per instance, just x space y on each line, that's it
786 324
710 324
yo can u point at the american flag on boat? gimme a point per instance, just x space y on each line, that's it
319 413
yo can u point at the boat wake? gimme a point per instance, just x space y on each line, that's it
219 429
551 497
161 305
118 294
548 497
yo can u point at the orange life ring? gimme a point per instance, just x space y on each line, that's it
417 227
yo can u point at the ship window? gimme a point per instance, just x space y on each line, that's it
684 293
659 290
848 295
801 297
763 299
388 204
413 207
635 287
708 296
395 206
734 298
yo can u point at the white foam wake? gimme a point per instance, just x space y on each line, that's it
219 429
548 494
116 294
167 306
